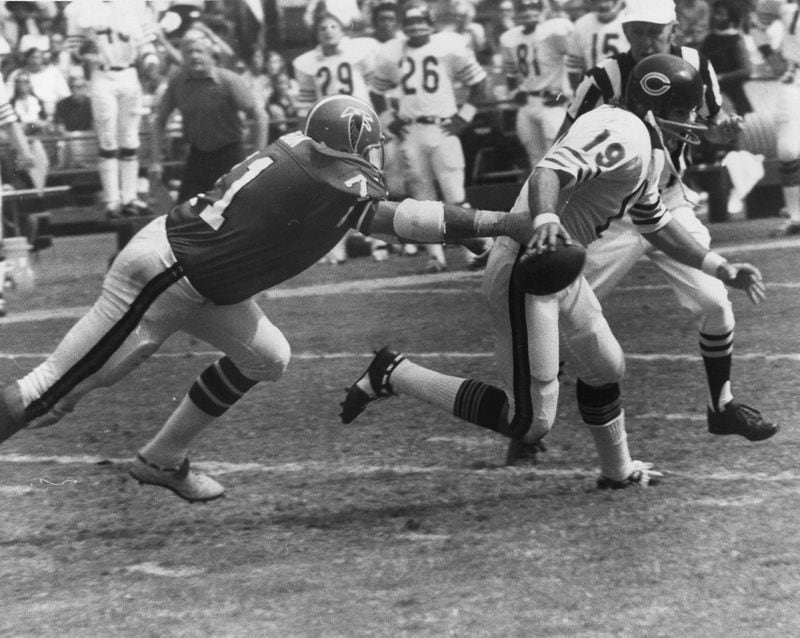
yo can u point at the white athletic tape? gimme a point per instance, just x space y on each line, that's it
711 263
420 221
545 218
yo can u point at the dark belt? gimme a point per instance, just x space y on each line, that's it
427 119
103 67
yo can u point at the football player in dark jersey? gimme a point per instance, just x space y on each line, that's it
197 268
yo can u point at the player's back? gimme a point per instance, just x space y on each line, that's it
607 165
271 217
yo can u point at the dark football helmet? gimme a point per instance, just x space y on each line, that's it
345 123
666 92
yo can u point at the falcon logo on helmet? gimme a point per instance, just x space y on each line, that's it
345 123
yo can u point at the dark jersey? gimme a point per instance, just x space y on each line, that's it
271 217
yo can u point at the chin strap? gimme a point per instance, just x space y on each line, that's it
656 123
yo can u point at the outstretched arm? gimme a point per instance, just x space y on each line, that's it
675 241
431 222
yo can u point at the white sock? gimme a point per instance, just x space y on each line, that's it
108 169
436 251
129 179
170 445
428 385
611 441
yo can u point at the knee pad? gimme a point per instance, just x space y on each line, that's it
270 366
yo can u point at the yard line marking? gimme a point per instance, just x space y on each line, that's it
322 356
349 468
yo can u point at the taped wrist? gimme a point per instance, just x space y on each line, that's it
711 263
545 218
419 221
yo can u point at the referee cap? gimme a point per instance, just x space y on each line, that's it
652 11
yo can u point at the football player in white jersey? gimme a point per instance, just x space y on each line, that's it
784 57
649 25
534 62
424 66
337 65
597 35
604 168
112 37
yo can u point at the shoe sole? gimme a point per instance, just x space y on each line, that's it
176 492
750 437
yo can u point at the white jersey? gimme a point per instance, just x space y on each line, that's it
120 30
611 169
425 76
790 43
347 71
537 60
593 41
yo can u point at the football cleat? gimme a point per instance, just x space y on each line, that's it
522 453
189 485
435 266
135 208
371 386
737 418
641 476
788 229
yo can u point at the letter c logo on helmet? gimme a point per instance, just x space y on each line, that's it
655 83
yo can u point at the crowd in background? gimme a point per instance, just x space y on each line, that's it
47 82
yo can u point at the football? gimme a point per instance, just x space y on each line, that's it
547 273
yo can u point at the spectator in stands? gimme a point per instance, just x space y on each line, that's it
693 22
727 51
74 112
256 77
283 113
46 80
28 107
59 57
24 26
210 100
347 12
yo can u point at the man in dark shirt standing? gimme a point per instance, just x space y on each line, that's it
210 100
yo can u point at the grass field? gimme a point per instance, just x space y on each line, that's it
406 523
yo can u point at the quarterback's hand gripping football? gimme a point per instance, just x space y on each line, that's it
744 277
546 237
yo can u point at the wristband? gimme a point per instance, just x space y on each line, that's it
467 112
419 221
711 263
545 218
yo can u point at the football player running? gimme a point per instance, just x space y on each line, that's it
649 25
198 267
424 66
534 62
597 35
604 168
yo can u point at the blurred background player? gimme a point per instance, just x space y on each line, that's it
113 37
9 122
597 35
534 62
424 67
337 65
782 53
649 26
